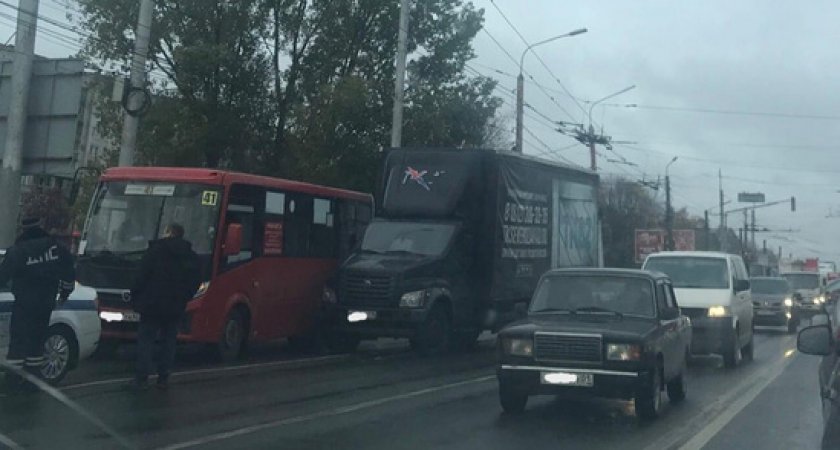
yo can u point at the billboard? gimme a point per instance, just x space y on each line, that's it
653 241
53 122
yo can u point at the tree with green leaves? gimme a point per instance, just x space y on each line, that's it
298 88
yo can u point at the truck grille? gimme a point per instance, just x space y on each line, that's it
567 347
366 290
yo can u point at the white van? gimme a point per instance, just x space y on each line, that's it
713 290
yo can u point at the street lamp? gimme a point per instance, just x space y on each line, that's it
520 84
669 211
590 136
596 102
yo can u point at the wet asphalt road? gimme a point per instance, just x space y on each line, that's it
385 397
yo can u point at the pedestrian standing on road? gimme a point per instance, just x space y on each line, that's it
169 277
39 268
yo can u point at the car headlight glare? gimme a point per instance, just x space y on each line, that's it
518 346
413 299
718 311
819 299
788 302
623 352
202 289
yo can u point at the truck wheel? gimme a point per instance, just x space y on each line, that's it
433 335
342 342
677 386
234 336
732 355
648 401
513 400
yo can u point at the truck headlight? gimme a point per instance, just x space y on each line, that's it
413 299
623 352
819 299
788 302
718 311
518 346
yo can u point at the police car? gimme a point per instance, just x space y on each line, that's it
73 335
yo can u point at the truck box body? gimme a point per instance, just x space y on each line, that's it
516 217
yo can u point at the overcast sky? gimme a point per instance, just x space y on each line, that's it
753 56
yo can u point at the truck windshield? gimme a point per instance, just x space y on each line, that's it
127 215
410 237
803 280
692 272
769 286
595 294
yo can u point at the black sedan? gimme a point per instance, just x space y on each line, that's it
604 332
773 303
822 340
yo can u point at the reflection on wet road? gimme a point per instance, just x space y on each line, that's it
386 397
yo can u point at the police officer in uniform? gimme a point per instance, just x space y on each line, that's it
38 268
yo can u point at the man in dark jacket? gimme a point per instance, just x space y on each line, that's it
39 268
169 277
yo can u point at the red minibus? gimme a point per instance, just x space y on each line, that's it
268 249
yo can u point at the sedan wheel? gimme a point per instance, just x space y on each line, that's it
649 400
60 352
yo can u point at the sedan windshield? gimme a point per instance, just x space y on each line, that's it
769 286
622 295
410 237
803 280
692 272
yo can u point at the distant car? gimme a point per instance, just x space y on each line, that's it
808 289
822 340
832 292
714 291
73 334
774 303
605 332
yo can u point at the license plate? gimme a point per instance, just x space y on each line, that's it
360 316
766 313
567 379
131 316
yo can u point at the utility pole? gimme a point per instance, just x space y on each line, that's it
128 145
745 237
10 175
520 111
669 216
722 226
752 228
399 84
706 229
593 155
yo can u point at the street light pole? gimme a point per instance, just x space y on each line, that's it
520 85
593 160
669 211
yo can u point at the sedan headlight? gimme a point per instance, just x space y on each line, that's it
624 352
718 311
788 302
413 299
518 346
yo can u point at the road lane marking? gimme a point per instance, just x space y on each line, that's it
326 413
753 385
305 361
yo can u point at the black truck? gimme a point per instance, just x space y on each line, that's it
459 243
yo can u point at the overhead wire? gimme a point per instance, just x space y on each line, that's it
539 58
